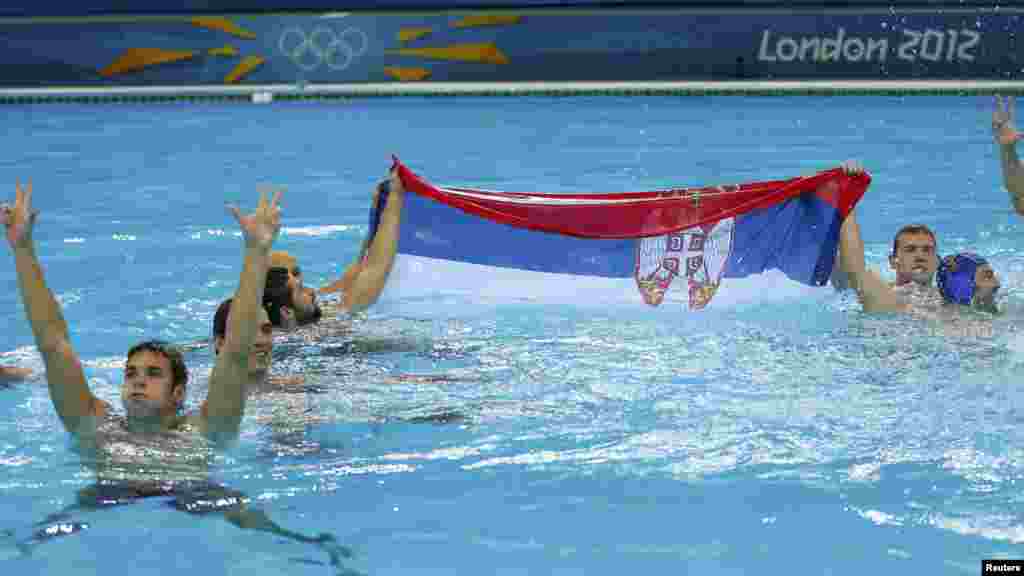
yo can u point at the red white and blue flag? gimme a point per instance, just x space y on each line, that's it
677 249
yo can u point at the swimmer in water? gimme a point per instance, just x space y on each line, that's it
258 378
913 258
295 305
364 279
154 450
965 280
153 390
915 261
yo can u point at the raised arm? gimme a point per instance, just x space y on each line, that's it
74 402
225 401
875 295
1006 136
13 374
364 279
345 282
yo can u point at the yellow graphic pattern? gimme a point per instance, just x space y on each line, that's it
134 59
223 25
248 64
482 53
480 20
228 51
407 74
485 52
410 34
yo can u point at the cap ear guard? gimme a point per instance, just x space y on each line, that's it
955 277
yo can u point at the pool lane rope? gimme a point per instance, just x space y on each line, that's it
268 93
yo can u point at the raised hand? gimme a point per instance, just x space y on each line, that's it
1003 121
260 228
396 183
19 219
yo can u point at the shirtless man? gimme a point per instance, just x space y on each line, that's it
293 305
914 258
364 279
965 280
153 450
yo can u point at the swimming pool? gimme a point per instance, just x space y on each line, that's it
795 437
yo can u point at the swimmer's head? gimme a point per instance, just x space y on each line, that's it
968 279
262 345
155 380
301 300
277 299
914 256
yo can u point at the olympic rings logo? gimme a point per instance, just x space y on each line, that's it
323 46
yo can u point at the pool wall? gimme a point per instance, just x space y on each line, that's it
99 46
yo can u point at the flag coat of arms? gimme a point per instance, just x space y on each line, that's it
679 249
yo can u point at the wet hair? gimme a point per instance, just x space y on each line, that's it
913 229
220 319
179 371
276 294
317 315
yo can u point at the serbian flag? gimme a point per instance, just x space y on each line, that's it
676 249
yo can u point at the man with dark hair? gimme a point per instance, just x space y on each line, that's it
914 258
363 281
259 378
154 385
158 365
914 255
965 280
258 367
290 304
152 451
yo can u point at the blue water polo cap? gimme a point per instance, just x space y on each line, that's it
956 276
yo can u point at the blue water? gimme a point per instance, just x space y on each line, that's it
794 438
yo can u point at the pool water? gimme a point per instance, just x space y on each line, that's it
796 437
